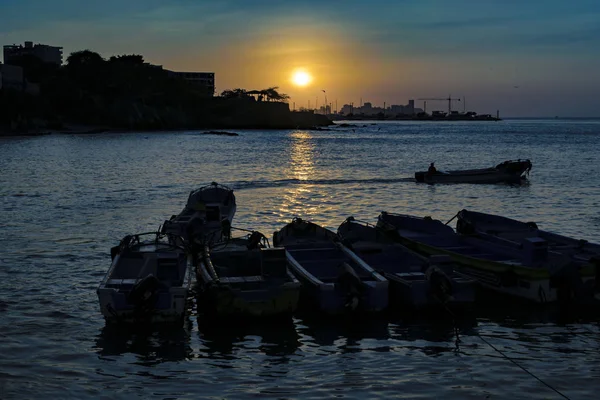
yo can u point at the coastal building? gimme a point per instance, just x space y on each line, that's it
48 54
367 109
202 79
11 77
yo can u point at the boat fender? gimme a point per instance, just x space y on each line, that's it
440 283
143 294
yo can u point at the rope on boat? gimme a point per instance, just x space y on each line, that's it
452 219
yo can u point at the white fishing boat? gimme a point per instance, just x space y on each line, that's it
415 281
510 171
334 280
531 272
148 280
207 214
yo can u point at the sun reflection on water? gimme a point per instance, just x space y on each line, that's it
299 200
302 155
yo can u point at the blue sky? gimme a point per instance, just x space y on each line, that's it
534 58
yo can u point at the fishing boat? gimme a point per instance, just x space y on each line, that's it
245 277
510 171
414 280
530 272
512 232
333 278
208 213
148 280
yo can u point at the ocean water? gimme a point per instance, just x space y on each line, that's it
66 199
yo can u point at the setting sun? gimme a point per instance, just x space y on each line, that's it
301 78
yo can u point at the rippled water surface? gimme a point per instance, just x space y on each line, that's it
66 199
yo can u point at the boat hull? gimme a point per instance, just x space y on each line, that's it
238 281
507 172
512 232
412 284
170 307
224 301
148 281
333 281
532 284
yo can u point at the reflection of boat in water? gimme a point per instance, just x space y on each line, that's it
333 280
152 345
326 331
245 277
148 280
414 280
511 171
275 337
208 212
530 272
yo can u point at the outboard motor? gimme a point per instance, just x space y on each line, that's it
254 240
440 283
350 283
144 295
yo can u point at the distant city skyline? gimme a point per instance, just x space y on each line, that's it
535 58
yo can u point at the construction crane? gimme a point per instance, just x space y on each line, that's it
449 99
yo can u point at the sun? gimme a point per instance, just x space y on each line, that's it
301 78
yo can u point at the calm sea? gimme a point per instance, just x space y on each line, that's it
66 199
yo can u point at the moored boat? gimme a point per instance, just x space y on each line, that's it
148 280
207 214
333 280
510 171
512 232
530 272
414 280
245 277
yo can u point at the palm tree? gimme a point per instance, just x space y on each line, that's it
271 94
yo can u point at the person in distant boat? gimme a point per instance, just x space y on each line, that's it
431 169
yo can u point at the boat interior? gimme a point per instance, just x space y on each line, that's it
323 260
236 265
133 266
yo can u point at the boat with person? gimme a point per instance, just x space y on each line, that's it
148 280
334 279
531 272
512 233
246 277
209 212
415 280
510 171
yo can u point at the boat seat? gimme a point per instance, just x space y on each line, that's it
121 283
458 248
241 279
312 249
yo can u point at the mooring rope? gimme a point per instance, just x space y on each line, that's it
523 368
457 341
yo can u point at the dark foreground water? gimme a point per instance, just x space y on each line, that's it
67 198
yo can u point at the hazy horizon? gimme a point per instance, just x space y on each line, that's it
526 60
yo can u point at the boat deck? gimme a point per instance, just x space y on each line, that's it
458 244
